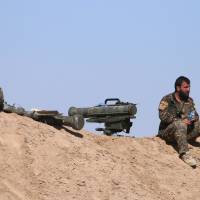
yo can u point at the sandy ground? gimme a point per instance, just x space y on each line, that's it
39 162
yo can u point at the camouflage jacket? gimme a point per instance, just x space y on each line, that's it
170 110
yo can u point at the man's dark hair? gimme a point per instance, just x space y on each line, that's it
180 80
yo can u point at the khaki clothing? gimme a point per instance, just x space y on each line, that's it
170 110
179 132
172 128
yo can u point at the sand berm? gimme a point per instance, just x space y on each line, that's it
40 162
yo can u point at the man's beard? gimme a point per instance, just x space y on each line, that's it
183 96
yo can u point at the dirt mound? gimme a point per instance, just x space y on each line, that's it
39 162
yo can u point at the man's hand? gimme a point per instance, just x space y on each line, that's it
187 121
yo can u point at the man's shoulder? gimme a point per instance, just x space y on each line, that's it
165 102
168 97
190 99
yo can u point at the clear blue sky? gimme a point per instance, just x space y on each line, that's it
57 54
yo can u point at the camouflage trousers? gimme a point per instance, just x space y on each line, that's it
181 133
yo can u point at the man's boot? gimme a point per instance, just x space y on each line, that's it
188 159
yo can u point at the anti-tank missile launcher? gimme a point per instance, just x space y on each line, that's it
115 116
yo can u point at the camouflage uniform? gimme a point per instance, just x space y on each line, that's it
172 128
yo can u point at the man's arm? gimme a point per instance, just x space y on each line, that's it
164 115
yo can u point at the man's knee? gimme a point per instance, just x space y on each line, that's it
174 131
180 126
181 131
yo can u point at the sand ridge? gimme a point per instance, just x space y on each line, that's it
40 162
